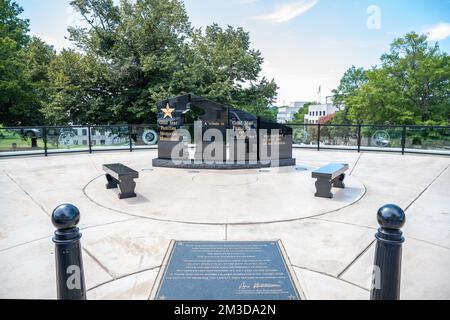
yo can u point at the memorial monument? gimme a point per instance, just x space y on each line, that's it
221 137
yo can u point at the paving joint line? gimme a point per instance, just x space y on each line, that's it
343 222
28 194
121 277
81 229
429 242
356 258
412 202
356 163
93 163
217 223
24 243
109 223
110 273
165 259
427 187
331 276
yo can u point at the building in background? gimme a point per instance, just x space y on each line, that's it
317 111
286 113
98 137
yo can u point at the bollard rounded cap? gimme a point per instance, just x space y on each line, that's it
65 216
391 216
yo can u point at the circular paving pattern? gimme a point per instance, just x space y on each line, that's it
219 197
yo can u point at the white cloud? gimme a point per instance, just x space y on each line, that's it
288 11
438 32
71 16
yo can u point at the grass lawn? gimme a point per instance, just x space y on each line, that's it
7 138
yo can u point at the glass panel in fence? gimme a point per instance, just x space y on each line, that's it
110 137
144 136
381 138
304 135
424 139
67 139
338 137
29 140
18 141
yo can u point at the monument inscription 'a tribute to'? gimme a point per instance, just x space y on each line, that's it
226 270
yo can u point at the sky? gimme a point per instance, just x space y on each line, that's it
306 44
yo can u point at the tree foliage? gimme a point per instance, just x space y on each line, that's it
14 88
299 116
411 86
24 61
127 56
130 55
139 52
352 80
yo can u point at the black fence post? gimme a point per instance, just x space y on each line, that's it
403 139
44 134
89 138
388 254
318 137
70 282
359 138
129 137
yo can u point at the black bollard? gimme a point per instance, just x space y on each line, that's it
69 263
388 254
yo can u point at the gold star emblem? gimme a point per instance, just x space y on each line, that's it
167 111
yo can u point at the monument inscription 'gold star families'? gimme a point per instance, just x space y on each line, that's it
167 111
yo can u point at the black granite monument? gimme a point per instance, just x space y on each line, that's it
224 137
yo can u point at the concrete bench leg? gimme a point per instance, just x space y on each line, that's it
127 187
323 188
338 182
112 183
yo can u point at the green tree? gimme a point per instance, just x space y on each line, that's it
299 116
142 51
350 82
11 25
15 97
139 45
80 90
422 74
226 69
411 86
24 80
38 56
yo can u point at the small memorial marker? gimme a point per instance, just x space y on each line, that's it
226 270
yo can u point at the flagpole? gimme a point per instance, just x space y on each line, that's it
320 94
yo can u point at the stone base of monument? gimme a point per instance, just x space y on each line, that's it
226 270
228 165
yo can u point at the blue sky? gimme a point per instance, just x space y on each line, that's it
305 43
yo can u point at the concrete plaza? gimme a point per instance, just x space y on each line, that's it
329 242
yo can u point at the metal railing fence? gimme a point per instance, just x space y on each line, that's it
45 140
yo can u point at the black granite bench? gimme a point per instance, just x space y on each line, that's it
331 175
119 175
